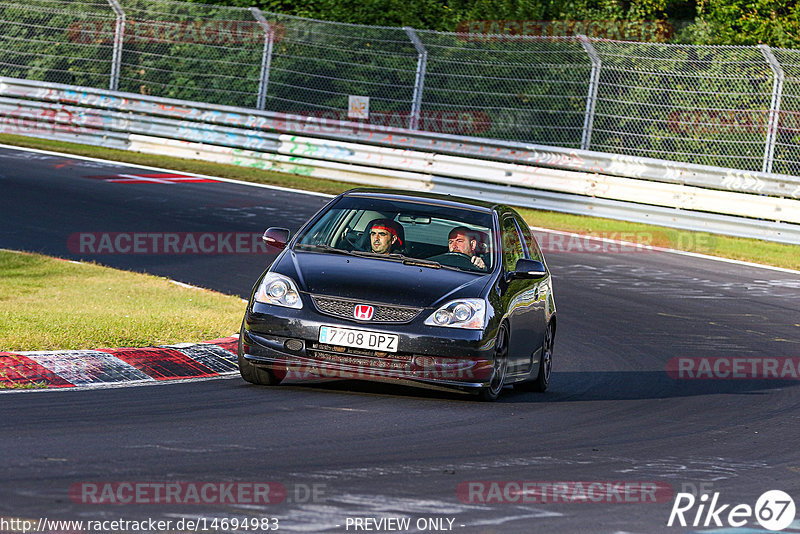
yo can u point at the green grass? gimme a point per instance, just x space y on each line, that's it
51 304
22 385
752 250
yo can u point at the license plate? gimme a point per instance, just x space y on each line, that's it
362 339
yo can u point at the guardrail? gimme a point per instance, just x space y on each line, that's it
748 204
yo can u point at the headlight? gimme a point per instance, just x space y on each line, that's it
462 313
279 290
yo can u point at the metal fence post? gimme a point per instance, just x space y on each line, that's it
419 81
119 38
591 97
266 57
774 107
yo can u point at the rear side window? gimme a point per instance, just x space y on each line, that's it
534 252
512 244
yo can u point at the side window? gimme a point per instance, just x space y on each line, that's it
512 244
323 230
534 252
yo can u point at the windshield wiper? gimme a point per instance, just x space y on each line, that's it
366 254
421 263
401 257
324 248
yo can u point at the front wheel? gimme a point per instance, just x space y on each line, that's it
253 374
499 366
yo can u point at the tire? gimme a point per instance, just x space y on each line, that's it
251 373
545 366
499 367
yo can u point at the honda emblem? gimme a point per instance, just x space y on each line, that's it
362 312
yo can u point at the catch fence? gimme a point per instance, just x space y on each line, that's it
724 106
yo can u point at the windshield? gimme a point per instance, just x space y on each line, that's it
440 236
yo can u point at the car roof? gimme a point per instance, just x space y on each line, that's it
433 198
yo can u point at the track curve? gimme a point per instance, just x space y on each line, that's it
378 451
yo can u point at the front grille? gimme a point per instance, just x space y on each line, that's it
344 308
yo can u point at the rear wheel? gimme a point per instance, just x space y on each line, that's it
499 366
252 373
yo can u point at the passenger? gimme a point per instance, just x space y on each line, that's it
464 241
385 235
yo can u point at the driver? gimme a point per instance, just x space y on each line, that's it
384 235
462 240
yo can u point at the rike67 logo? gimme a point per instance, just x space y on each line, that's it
774 510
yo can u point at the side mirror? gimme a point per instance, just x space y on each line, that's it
276 237
528 269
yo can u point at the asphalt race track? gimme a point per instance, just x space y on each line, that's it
334 452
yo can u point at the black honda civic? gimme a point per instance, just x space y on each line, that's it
418 288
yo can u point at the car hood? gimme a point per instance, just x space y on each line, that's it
377 280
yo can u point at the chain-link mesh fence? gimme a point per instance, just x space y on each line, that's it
44 40
191 52
529 89
705 105
726 106
316 66
787 133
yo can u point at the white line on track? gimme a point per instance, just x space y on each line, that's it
161 169
339 409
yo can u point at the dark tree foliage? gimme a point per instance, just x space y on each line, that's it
748 22
446 15
745 22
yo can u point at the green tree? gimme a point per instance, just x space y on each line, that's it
748 22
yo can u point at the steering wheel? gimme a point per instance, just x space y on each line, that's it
352 240
455 259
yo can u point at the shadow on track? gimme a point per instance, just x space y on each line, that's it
642 385
566 387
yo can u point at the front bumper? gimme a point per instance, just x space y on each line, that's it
288 345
